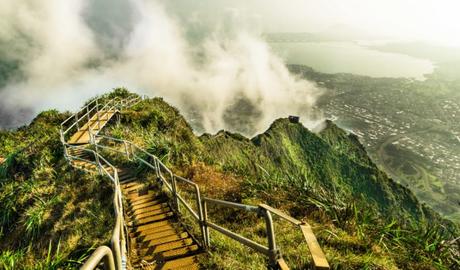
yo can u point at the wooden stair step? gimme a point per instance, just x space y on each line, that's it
191 249
82 136
182 243
153 218
160 210
161 238
157 234
140 190
126 181
185 263
187 250
134 187
150 226
133 203
154 231
124 174
150 205
137 195
147 244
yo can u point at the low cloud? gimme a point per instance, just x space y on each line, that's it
66 53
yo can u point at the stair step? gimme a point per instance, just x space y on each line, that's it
169 246
153 218
187 263
82 135
134 187
139 194
150 235
148 244
181 252
160 238
151 205
125 175
150 226
126 181
160 210
145 210
141 190
136 202
132 197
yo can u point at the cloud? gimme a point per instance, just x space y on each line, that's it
229 79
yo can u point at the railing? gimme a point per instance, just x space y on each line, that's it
200 215
102 253
119 237
77 120
118 240
170 181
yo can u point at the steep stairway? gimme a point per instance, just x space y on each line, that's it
158 240
148 234
95 123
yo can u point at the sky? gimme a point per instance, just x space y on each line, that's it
435 21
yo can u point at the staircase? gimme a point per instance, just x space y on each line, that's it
158 240
94 124
148 233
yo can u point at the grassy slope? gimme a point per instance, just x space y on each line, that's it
50 215
363 218
325 179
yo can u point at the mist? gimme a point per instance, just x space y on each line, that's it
66 52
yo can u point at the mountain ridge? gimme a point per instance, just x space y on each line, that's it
360 216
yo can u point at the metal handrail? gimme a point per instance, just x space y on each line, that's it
101 253
272 252
136 153
119 235
115 104
118 245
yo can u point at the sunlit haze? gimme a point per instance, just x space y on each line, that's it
436 21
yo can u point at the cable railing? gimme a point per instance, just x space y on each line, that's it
200 215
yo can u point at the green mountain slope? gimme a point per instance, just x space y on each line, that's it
51 216
361 217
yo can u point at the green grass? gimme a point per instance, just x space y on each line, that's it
53 216
326 179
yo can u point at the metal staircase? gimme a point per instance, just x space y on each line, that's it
149 232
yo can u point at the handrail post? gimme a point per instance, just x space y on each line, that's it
87 116
205 225
174 187
76 121
126 149
98 162
157 166
132 151
274 253
97 114
200 215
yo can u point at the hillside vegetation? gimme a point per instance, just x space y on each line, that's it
362 218
51 216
